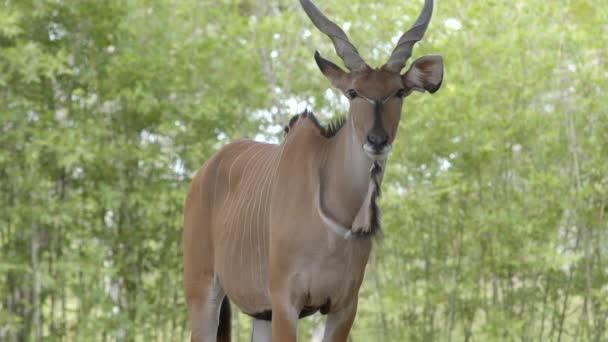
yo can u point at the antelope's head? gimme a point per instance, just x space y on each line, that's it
376 94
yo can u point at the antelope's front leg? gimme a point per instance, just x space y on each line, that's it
338 324
284 318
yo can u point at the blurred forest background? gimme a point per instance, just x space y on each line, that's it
494 204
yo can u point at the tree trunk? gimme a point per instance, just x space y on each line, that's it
35 288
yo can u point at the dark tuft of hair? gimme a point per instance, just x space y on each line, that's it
327 131
375 227
375 219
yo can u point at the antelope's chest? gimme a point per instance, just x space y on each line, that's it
334 276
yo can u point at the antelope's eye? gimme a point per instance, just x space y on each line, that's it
351 93
400 93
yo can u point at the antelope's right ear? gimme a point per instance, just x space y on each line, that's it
334 74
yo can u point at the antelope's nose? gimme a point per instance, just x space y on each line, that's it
378 138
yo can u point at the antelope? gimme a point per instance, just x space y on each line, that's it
285 230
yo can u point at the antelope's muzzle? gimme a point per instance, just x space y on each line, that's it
377 146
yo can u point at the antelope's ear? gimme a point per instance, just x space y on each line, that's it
334 74
426 73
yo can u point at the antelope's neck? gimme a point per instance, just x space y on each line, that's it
345 177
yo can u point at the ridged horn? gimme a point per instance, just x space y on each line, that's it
343 46
403 50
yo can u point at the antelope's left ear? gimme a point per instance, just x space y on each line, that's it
426 73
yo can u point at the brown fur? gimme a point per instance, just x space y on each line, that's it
265 225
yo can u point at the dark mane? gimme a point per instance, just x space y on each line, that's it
327 131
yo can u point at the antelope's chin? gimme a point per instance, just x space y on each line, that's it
374 154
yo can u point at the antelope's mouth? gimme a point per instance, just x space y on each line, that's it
377 152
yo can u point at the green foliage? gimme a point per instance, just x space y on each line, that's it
494 207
